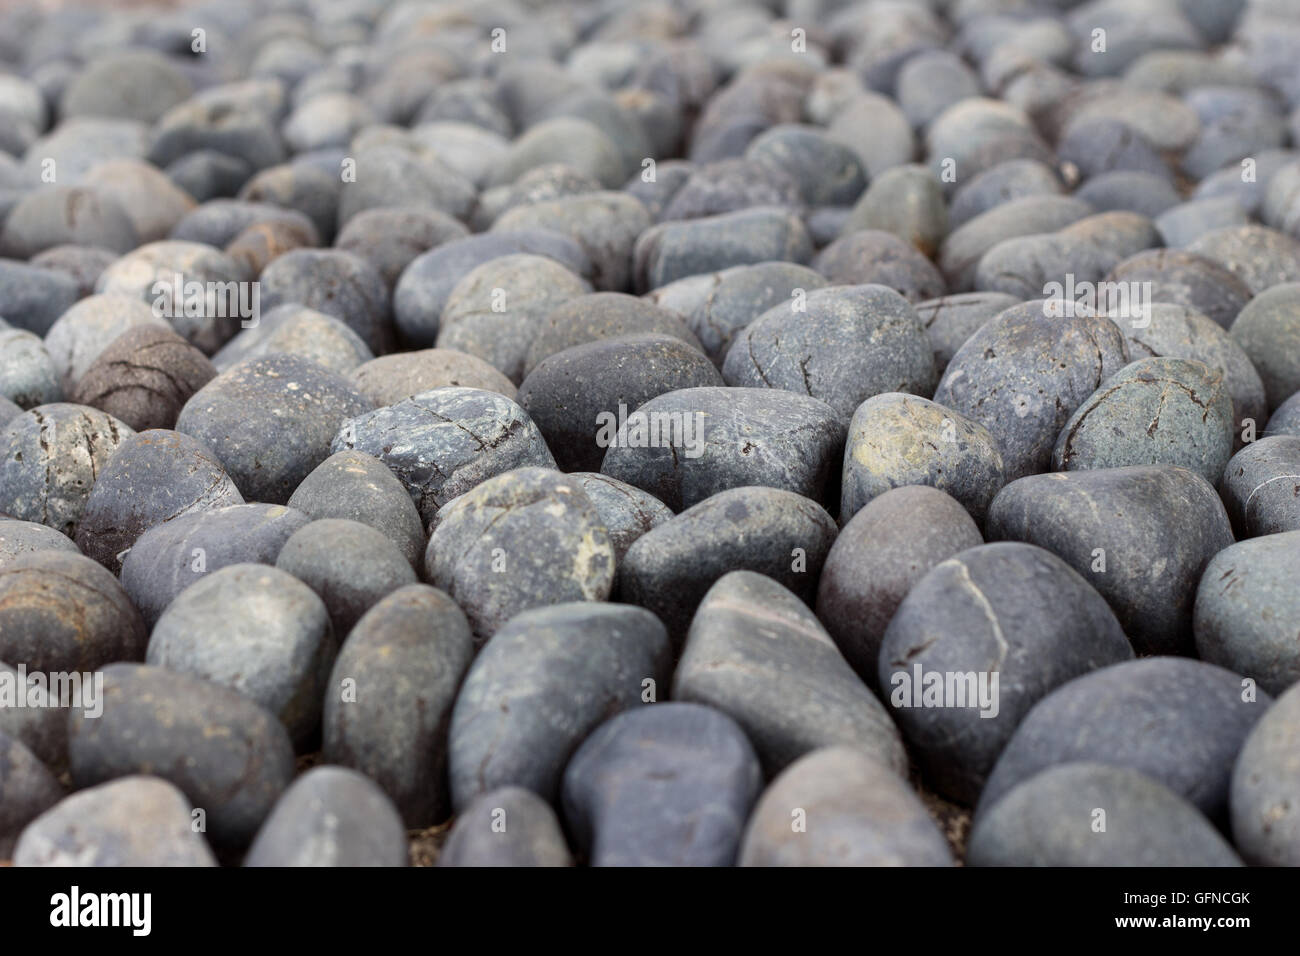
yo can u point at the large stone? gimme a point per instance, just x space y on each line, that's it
1264 814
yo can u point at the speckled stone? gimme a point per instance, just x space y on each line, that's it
83 332
1264 815
626 512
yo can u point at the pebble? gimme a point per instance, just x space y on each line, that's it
962 249
858 812
509 826
523 539
739 437
1052 820
33 298
602 315
391 238
1182 277
153 203
751 644
1179 721
444 442
82 333
1261 487
390 379
1285 419
1022 375
270 421
539 687
256 630
1014 179
575 396
626 512
731 185
1260 257
389 698
135 821
575 142
27 790
1147 194
669 785
83 264
1264 816
897 439
28 376
384 172
351 567
170 557
313 192
229 756
825 172
880 258
1140 535
130 84
219 222
1008 609
1188 413
1268 331
951 319
297 330
330 816
673 250
42 730
336 283
63 215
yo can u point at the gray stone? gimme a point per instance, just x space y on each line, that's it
390 238
219 222
602 315
153 203
1268 331
1152 529
733 437
444 442
826 172
230 757
33 298
526 832
388 702
334 282
1261 487
385 173
1128 189
1014 179
1182 277
1264 815
83 332
136 821
563 139
524 539
1186 408
27 789
756 653
66 214
625 511
961 251
1260 257
1049 820
1181 722
297 330
83 264
951 319
897 439
28 376
330 816
669 785
906 201
1183 224
389 379
270 421
541 685
672 250
858 811
170 557
130 84
1285 419
256 630
880 258
732 185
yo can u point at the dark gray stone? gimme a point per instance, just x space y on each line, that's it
602 315
880 258
41 729
524 539
1149 194
961 251
756 653
444 442
334 282
509 826
230 757
390 238
1183 224
170 557
858 812
27 789
1152 529
33 298
1014 179
389 699
153 477
950 320
1264 814
625 511
270 421
669 785
1052 818
825 172
136 821
1268 331
330 816
1285 419
256 630
541 685
1023 373
1181 722
1182 277
218 222
672 250
1261 487
732 437
1007 612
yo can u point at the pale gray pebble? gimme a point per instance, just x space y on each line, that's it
330 816
28 376
509 826
1268 331
1181 722
389 379
877 557
153 477
951 319
563 139
134 821
256 630
896 439
1265 817
1152 528
1014 179
540 184
524 539
962 249
130 84
733 437
270 420
349 565
1186 408
1007 609
170 557
858 812
1248 610
1285 419
27 789
21 537
757 653
230 757
152 202
626 511
1131 190
443 442
390 238
1049 820
1260 257
297 330
541 684
668 785
389 698
385 172
1261 487
1183 224
51 456
63 215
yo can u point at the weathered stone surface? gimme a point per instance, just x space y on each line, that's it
144 377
